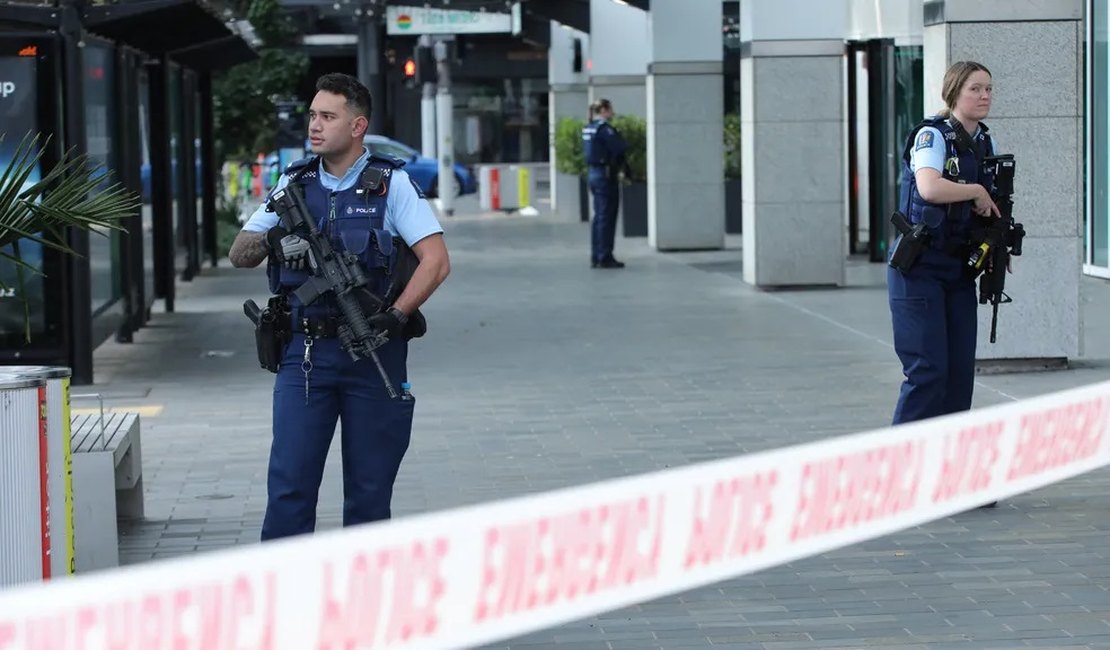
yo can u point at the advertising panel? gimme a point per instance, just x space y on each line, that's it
21 290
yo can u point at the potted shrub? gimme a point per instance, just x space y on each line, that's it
633 202
73 194
569 159
733 197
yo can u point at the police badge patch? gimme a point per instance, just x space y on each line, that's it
924 140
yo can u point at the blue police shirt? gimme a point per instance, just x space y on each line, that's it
929 149
406 214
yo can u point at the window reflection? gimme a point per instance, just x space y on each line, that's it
104 244
1099 237
148 212
503 120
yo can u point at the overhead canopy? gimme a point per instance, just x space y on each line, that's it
157 26
215 55
28 15
572 13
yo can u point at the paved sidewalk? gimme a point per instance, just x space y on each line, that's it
539 373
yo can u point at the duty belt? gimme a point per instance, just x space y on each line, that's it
326 327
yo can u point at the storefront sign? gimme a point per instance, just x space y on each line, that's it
419 20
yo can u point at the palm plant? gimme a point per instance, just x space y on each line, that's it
68 196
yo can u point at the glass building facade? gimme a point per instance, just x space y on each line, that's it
1097 138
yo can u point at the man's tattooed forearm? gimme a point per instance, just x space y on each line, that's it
248 250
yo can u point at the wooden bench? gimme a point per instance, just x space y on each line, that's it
107 484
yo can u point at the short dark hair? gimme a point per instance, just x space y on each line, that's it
358 96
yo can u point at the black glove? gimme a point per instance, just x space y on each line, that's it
273 240
392 322
290 250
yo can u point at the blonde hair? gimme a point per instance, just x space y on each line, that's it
600 105
954 79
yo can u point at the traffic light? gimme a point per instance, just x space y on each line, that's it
410 69
425 65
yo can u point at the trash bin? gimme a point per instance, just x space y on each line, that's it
24 503
59 461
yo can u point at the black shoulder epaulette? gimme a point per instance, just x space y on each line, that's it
297 164
297 168
392 161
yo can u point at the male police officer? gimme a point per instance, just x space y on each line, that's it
360 201
604 152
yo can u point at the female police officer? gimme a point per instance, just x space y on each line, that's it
933 303
604 151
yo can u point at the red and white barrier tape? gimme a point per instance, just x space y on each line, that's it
472 575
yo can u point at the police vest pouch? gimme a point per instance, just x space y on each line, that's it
272 331
914 239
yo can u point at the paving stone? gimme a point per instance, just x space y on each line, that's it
538 373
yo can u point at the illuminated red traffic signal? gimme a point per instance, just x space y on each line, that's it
410 68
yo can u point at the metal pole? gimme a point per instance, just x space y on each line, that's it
369 66
428 112
208 167
428 121
161 188
444 129
79 323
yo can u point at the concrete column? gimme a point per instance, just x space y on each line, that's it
568 96
897 19
1034 52
792 152
619 56
685 123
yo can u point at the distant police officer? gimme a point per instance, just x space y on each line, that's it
317 382
604 151
933 303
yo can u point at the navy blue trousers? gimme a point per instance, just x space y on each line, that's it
933 310
603 230
375 434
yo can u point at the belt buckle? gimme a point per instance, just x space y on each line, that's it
323 327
